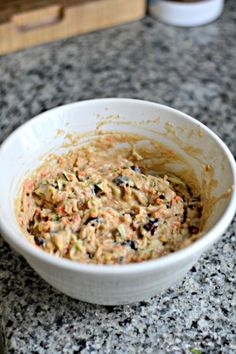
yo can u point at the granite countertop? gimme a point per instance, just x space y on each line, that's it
190 69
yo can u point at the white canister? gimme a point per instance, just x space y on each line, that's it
186 13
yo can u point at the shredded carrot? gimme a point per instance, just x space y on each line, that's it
110 139
61 208
43 174
61 160
159 201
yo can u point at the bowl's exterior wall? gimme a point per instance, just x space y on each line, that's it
109 289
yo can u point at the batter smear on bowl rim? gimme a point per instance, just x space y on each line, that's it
105 203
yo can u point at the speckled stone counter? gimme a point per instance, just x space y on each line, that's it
193 70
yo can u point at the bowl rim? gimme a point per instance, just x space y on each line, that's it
23 246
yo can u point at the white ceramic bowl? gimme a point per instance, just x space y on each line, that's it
114 284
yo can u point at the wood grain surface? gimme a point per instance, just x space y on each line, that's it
23 25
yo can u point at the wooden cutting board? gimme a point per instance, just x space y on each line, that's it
27 23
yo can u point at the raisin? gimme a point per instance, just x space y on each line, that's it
199 211
162 196
130 243
31 224
135 169
140 235
193 229
184 215
168 205
90 255
39 240
94 220
189 190
122 181
95 189
151 225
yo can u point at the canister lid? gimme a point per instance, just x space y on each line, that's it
186 13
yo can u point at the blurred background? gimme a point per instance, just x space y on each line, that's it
189 68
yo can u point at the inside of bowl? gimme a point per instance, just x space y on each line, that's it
205 156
